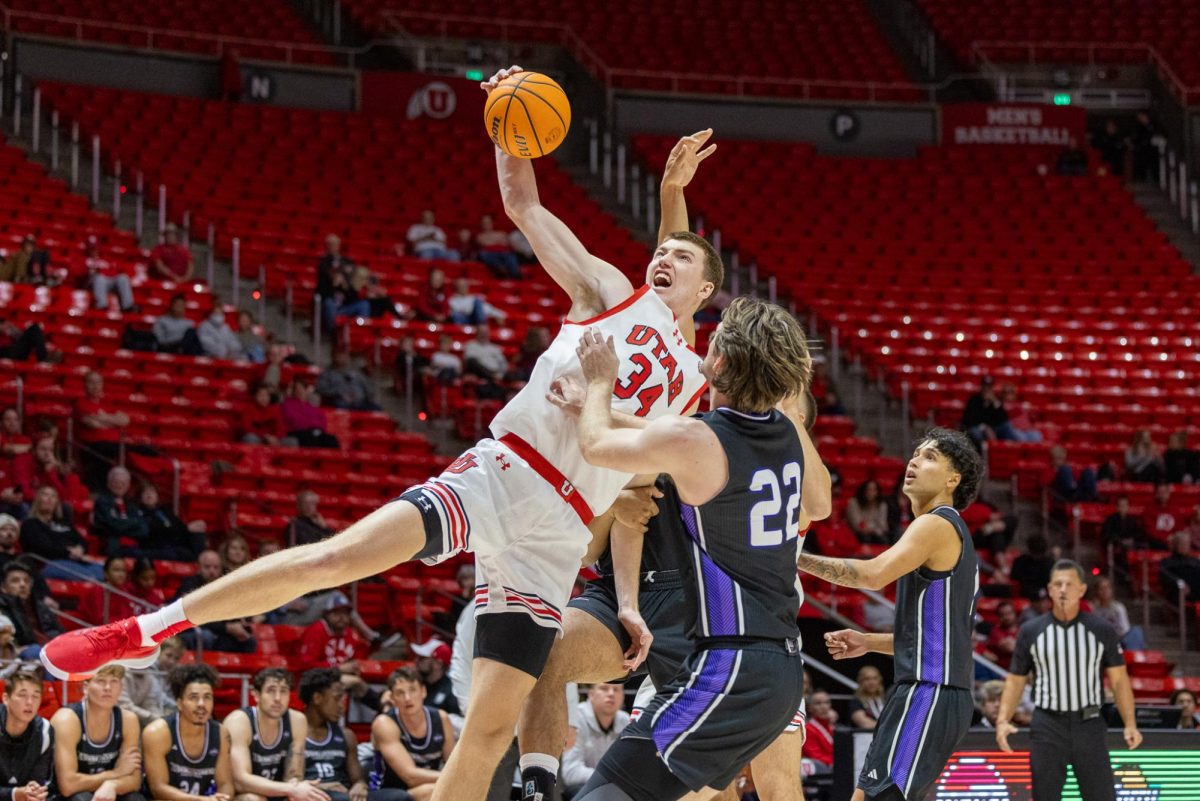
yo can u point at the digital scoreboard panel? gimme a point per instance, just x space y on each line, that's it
1165 768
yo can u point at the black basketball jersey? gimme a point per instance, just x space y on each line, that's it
325 761
193 776
740 574
664 548
270 760
92 756
935 615
426 752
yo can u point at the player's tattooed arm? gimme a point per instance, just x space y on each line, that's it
843 572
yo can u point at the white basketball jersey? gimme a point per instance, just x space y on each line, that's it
659 375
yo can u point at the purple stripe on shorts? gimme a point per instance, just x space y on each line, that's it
719 601
912 726
933 634
682 713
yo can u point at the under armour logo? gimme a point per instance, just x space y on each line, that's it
504 463
872 775
424 503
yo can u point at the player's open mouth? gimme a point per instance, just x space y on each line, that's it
661 279
910 475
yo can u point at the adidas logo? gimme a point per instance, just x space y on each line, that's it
872 775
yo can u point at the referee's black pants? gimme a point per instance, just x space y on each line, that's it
1058 739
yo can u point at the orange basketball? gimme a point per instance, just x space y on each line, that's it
527 115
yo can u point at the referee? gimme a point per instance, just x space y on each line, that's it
1066 649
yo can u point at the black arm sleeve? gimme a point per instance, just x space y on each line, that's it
1022 658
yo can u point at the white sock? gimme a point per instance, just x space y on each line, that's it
543 761
154 624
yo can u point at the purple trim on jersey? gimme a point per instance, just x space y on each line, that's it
720 604
933 633
707 686
912 729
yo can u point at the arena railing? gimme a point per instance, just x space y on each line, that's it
109 590
513 30
152 38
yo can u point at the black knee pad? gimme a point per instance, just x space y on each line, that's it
513 639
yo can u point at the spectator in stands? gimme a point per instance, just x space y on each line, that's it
818 735
174 332
991 530
331 264
412 740
831 404
18 343
1020 424
47 470
331 751
1143 461
1189 717
48 533
27 264
115 517
145 692
1073 159
1039 604
1181 463
254 347
343 386
433 658
445 363
1180 565
1193 528
99 427
98 605
867 513
144 587
262 425
520 245
1065 485
171 771
234 552
303 419
266 743
867 703
987 703
171 260
336 287
13 440
1113 612
984 417
9 652
1031 570
10 533
332 641
309 525
467 308
495 250
484 358
233 635
1124 531
167 536
34 621
96 754
216 337
106 278
1112 146
601 721
537 339
26 739
276 374
1002 639
426 240
1143 143
433 304
1161 521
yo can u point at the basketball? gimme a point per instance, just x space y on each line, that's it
527 115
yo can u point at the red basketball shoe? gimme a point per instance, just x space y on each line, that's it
77 655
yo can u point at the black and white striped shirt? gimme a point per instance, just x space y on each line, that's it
1068 660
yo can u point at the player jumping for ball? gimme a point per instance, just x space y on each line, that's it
928 709
521 501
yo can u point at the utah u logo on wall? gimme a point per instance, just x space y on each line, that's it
436 100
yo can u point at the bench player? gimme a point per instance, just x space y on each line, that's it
521 501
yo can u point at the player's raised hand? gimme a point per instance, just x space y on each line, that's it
494 81
639 632
597 357
567 394
846 644
1004 730
686 157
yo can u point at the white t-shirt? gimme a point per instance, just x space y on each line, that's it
424 237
